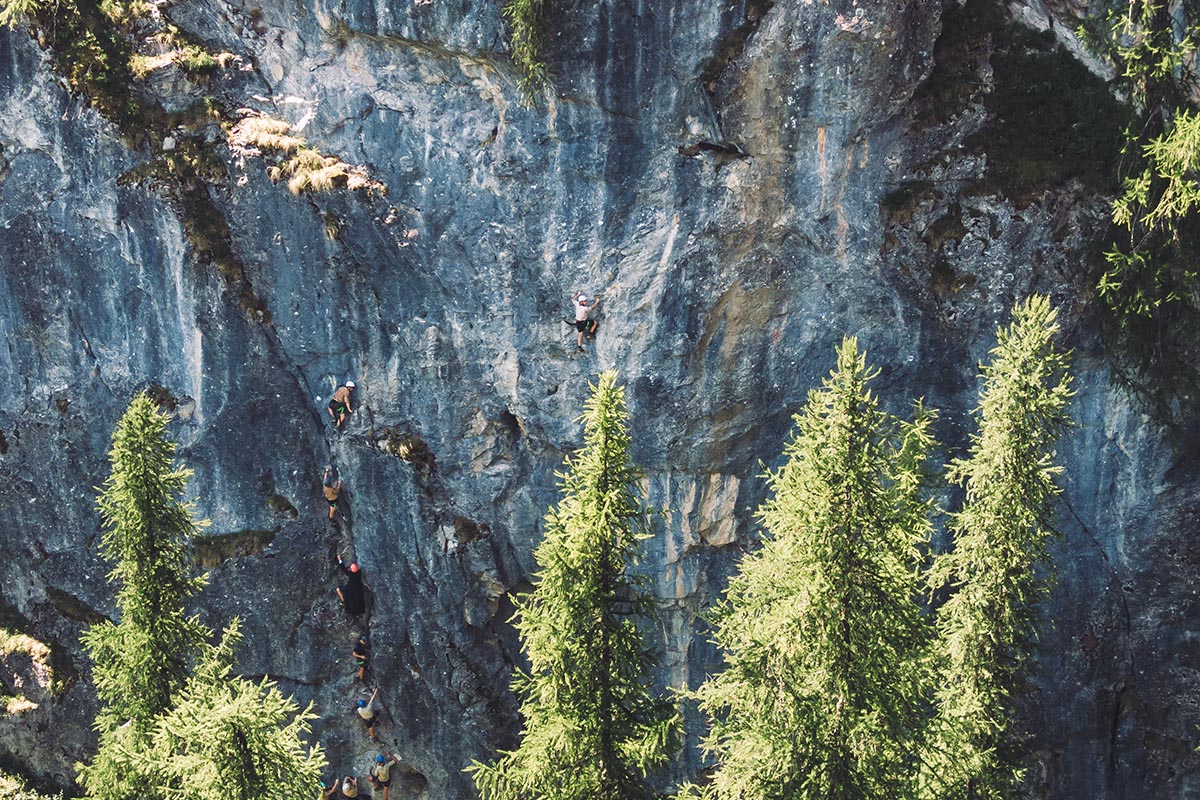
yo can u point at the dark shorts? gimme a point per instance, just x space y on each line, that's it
581 325
332 503
337 408
380 783
370 722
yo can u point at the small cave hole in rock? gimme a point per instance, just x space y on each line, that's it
162 397
466 530
512 425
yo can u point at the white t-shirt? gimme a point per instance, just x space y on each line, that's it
581 309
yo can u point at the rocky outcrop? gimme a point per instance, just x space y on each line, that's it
745 183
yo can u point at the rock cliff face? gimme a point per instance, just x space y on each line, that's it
746 182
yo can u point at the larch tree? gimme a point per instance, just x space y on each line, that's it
825 680
1151 284
174 722
142 660
593 726
227 737
999 567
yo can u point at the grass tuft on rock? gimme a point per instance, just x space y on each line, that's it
210 551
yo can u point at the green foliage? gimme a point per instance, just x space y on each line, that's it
1151 270
13 11
1150 282
89 50
526 18
196 61
825 670
998 569
592 727
228 737
14 788
141 661
174 722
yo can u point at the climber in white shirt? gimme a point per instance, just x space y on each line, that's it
584 307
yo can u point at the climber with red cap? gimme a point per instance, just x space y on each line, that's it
351 593
340 406
583 307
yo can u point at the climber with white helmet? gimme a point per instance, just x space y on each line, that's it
583 307
339 406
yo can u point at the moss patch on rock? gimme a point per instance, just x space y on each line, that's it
26 661
406 446
212 551
282 506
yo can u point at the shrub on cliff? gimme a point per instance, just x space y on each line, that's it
14 788
1151 283
525 17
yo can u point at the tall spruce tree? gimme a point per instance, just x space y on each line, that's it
173 722
593 727
825 665
228 737
999 567
143 659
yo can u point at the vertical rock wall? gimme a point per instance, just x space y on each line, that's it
745 182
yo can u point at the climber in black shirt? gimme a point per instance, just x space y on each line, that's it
351 593
361 655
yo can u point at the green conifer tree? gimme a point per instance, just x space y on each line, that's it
999 568
228 737
1151 285
174 723
825 664
592 726
143 659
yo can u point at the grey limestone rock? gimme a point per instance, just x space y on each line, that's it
726 174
